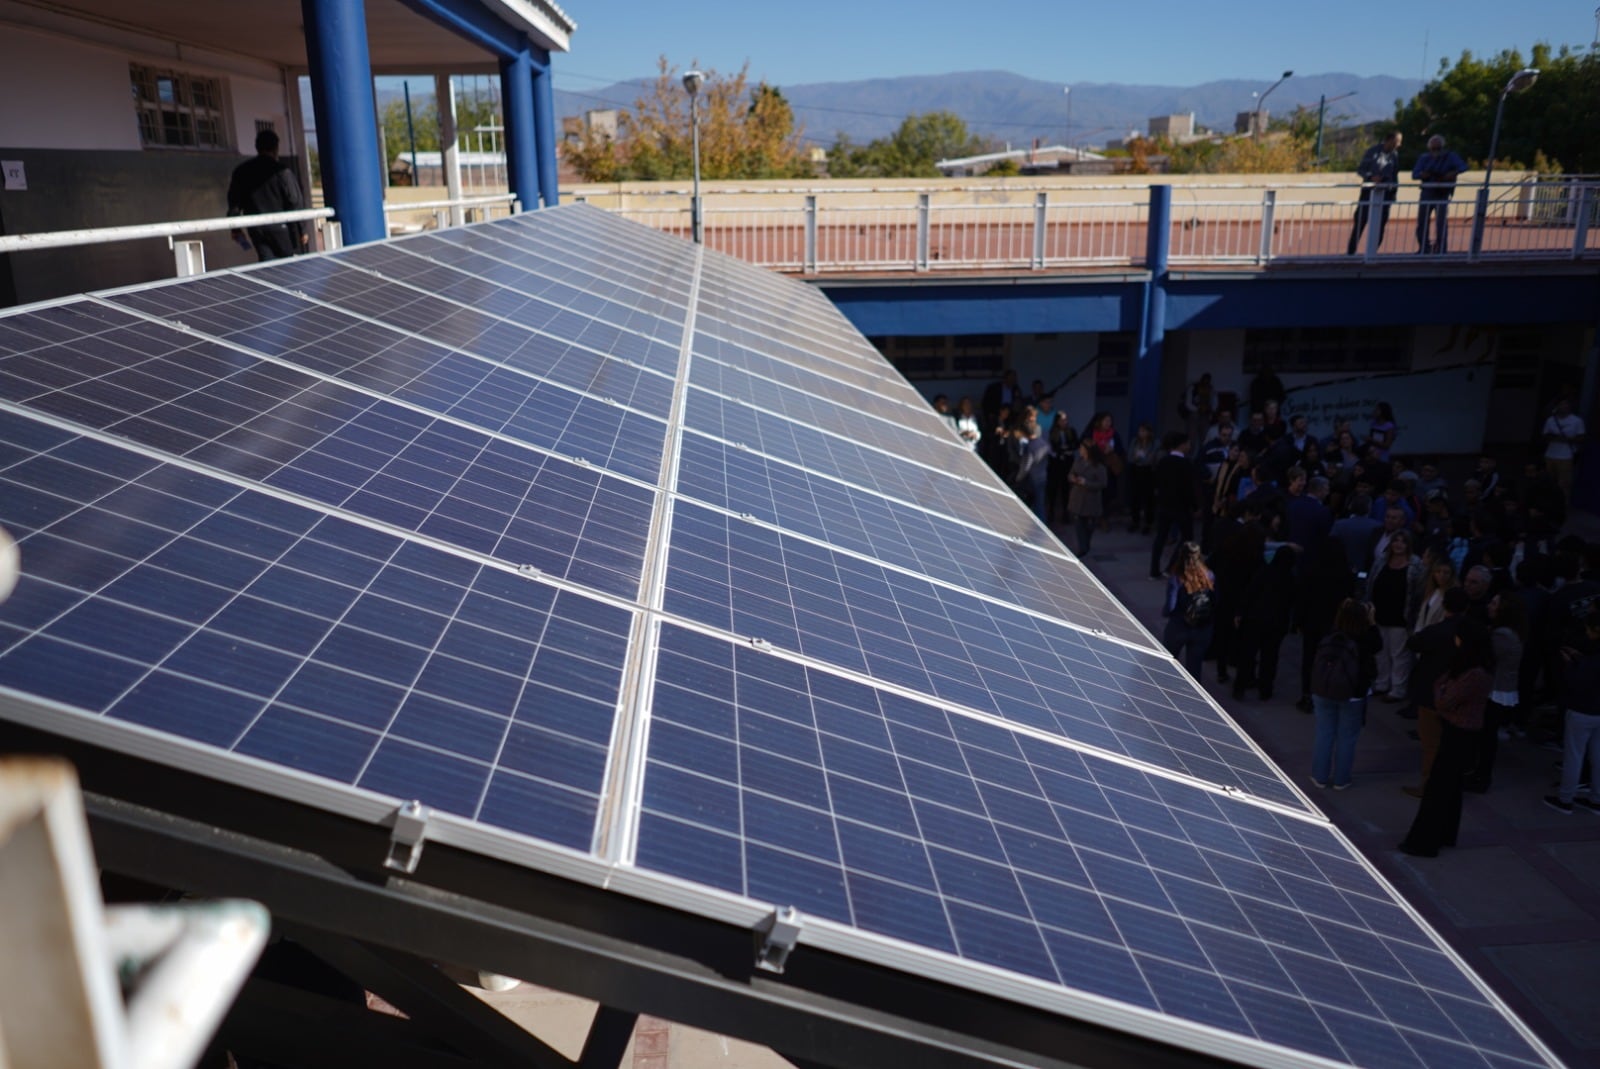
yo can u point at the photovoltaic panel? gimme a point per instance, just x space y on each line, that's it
899 818
327 444
638 565
905 478
234 619
972 557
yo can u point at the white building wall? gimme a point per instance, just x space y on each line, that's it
61 93
55 93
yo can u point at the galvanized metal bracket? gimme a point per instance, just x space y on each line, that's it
776 935
405 840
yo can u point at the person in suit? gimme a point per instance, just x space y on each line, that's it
1176 496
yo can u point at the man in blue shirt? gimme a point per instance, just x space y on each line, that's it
1436 169
1380 174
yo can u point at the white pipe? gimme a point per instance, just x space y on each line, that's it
53 239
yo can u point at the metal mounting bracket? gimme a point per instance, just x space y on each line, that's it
405 840
776 935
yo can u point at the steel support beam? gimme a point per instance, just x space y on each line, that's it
825 1009
1146 399
516 94
608 1038
347 118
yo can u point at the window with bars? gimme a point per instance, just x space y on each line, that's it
178 110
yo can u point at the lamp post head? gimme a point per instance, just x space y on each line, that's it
1288 74
1521 80
692 81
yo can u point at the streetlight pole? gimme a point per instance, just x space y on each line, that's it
692 81
1067 89
1517 83
1322 110
1261 103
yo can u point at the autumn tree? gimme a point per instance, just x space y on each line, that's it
1555 118
744 133
1279 152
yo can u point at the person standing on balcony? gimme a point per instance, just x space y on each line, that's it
263 185
1436 169
1380 177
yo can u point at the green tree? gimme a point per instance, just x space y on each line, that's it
912 151
1556 117
744 133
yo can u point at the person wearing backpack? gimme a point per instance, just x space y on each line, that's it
1341 676
1190 607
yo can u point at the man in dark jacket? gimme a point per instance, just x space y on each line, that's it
1176 496
1432 647
1581 699
263 185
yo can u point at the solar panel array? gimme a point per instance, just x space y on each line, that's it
616 547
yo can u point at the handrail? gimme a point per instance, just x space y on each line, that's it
55 239
459 202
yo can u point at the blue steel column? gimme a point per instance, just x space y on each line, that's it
544 114
347 119
1146 400
516 91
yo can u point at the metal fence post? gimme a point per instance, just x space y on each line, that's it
809 265
1269 207
1376 223
924 202
1040 222
1479 219
1580 225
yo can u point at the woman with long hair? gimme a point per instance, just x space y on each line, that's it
1441 577
1341 675
1189 607
1508 616
1086 499
1103 432
1460 695
1394 586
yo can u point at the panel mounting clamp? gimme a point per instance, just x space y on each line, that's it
405 840
776 935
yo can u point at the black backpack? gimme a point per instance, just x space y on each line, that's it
1197 611
1336 672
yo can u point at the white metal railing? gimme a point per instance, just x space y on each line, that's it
1004 229
450 212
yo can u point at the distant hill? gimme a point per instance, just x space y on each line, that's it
1010 108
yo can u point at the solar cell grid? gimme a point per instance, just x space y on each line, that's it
471 282
752 352
904 631
328 444
791 785
226 617
661 266
459 327
540 276
377 357
904 479
821 383
928 543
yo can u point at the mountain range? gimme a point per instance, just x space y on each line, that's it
1012 109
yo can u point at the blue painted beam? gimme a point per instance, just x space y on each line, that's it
471 20
347 119
516 95
1151 342
916 308
544 116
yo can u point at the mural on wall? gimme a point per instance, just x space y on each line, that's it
1441 407
1442 410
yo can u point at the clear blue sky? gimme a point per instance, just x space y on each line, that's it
1147 42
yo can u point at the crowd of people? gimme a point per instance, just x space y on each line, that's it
1455 602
